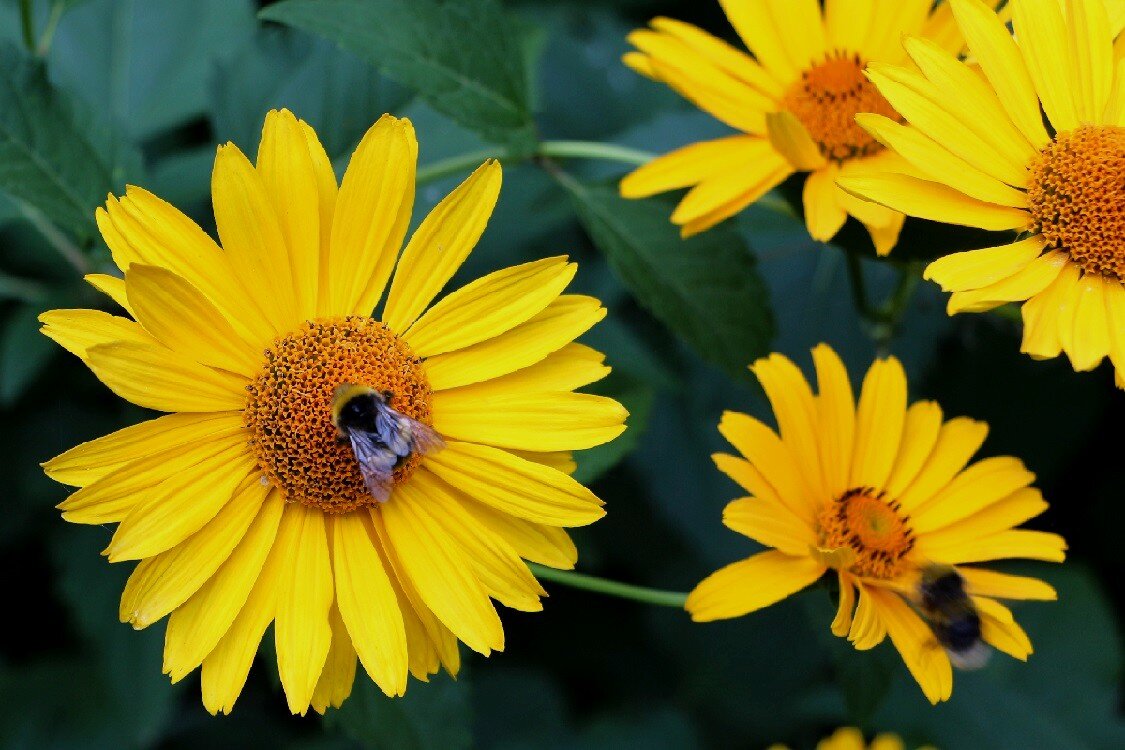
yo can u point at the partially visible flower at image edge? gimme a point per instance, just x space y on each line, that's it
874 492
793 103
850 738
979 154
242 506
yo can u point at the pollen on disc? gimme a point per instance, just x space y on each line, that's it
289 408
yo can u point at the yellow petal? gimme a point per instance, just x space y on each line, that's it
367 602
1042 314
773 459
371 216
546 545
560 460
290 179
790 139
915 643
687 166
1086 340
770 523
571 367
824 214
335 683
88 462
892 21
998 628
835 409
111 286
441 572
977 487
868 629
752 175
226 666
885 237
761 33
981 582
78 331
159 378
974 269
957 442
302 634
1114 297
795 410
1003 545
938 164
113 496
847 23
440 245
999 515
251 235
880 418
933 201
1091 57
1023 284
180 317
514 485
751 584
326 192
1042 36
999 58
163 582
196 627
919 436
562 321
733 61
842 623
181 505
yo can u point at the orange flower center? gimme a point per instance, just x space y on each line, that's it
1077 197
864 521
289 410
826 100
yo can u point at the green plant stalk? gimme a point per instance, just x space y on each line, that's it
605 586
27 23
548 149
48 35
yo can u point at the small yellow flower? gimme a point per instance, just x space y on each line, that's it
850 738
794 103
874 492
980 154
243 506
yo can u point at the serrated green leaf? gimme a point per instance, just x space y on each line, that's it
706 288
464 57
51 157
149 65
431 716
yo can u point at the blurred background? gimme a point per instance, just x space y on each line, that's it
116 91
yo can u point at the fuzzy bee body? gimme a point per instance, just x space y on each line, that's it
952 616
381 438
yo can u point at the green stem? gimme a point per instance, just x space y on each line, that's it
44 45
12 287
858 286
55 237
548 149
458 164
27 22
610 588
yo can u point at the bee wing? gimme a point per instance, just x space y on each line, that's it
376 463
405 435
424 438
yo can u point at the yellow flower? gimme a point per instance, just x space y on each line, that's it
875 492
794 102
850 738
242 506
980 154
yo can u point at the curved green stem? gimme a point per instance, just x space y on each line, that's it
549 149
605 586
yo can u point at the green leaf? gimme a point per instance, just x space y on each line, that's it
464 57
705 288
148 64
431 716
51 156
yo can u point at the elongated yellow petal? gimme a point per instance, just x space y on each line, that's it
980 582
514 485
545 421
371 216
440 244
1086 339
724 194
845 607
441 573
938 164
1023 284
919 436
252 237
1003 545
688 165
573 366
748 585
974 269
999 58
196 627
824 213
290 179
732 61
88 462
847 23
892 21
1042 314
998 628
163 582
156 377
795 410
957 442
879 422
326 192
180 317
770 523
181 505
490 306
367 602
977 487
1090 43
78 331
546 545
111 286
302 634
335 683
835 416
790 139
1042 35
1114 298
754 22
868 629
562 321
999 515
773 459
933 201
110 498
914 640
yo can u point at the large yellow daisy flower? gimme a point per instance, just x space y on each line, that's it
850 738
242 506
793 102
877 493
981 155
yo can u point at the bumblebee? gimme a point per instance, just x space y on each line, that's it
952 616
381 438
